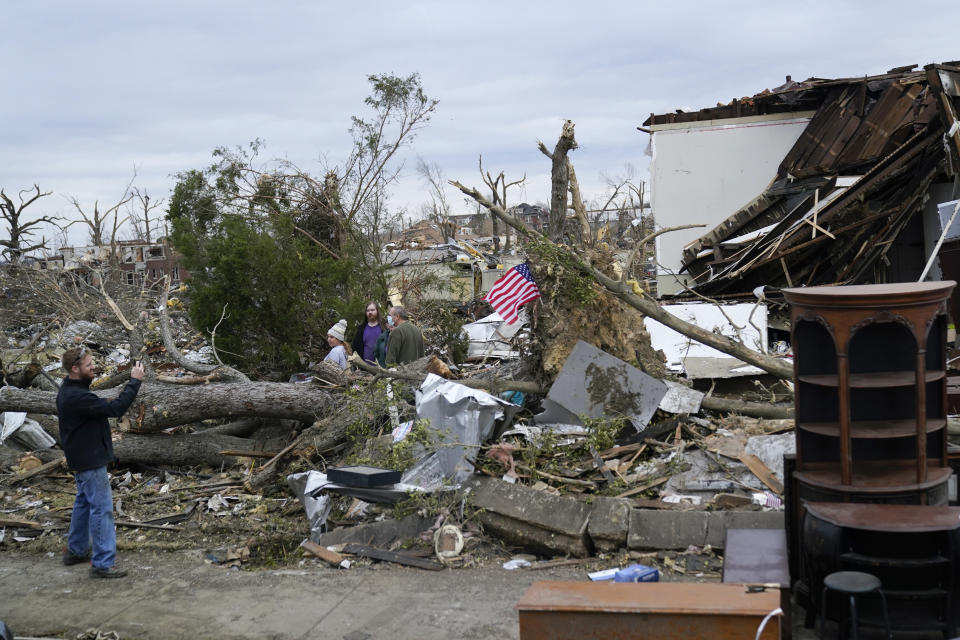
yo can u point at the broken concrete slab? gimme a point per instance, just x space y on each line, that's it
595 384
533 537
681 399
382 534
535 520
649 529
655 529
771 449
609 523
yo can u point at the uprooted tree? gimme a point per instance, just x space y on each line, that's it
570 280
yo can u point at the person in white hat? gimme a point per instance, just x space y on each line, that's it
338 348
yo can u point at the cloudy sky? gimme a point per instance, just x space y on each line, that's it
94 89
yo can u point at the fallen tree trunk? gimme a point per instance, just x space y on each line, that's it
239 428
319 437
493 386
177 450
752 409
159 407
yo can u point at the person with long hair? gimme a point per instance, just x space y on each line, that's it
369 331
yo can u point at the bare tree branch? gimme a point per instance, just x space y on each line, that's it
18 230
640 244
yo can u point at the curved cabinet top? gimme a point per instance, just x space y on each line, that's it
844 310
871 296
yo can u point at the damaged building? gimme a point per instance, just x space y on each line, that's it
819 182
141 264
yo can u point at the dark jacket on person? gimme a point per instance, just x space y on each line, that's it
380 350
406 344
357 343
84 430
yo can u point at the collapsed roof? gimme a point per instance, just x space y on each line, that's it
843 194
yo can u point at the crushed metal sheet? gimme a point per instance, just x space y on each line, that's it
463 417
490 337
594 384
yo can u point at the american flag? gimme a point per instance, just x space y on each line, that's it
513 290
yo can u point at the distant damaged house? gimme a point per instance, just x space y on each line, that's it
812 183
438 261
141 264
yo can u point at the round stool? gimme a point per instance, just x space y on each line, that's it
853 584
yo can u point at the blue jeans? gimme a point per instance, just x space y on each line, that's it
92 519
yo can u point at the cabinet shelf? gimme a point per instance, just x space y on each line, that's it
882 477
873 429
877 380
933 562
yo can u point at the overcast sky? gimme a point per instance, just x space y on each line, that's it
94 89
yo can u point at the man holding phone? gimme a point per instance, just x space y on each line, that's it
87 443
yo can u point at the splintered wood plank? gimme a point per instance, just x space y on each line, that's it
330 557
762 471
19 522
643 487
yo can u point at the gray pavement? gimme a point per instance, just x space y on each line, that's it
173 596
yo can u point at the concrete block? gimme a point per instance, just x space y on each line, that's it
533 538
533 519
609 523
381 534
555 513
655 529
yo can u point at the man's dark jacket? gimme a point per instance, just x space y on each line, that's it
84 430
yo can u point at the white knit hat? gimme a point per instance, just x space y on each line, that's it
338 330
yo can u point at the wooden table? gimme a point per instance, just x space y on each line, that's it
663 610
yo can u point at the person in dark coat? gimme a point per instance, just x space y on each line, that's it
88 445
380 351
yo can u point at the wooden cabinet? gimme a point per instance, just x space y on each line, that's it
913 550
870 392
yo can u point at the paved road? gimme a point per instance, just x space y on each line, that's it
176 596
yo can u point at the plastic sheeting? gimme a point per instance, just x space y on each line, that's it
29 433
